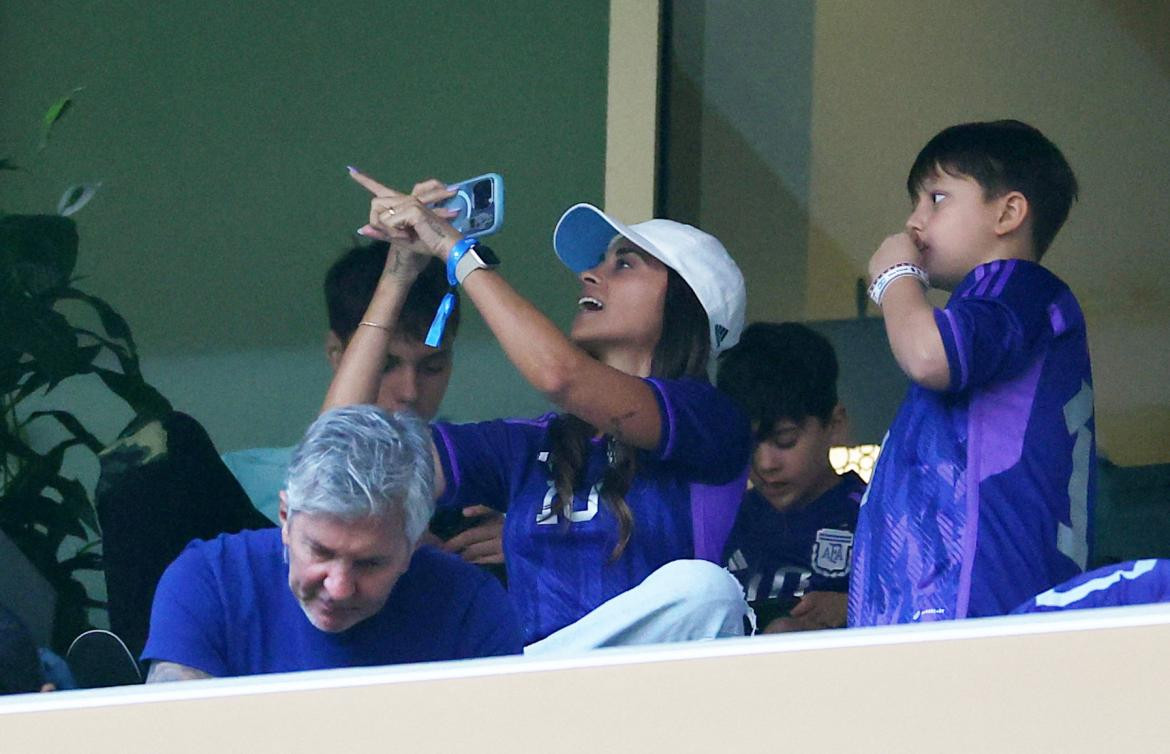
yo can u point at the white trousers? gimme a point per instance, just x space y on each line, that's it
684 600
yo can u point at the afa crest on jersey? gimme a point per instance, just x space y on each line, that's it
832 551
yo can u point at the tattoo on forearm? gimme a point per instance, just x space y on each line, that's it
163 672
395 261
439 228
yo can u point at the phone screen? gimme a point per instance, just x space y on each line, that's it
483 205
480 204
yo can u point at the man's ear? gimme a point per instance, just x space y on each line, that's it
839 425
283 518
334 349
1013 211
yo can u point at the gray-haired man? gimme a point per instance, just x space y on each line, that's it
341 583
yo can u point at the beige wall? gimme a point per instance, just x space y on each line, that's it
889 74
1086 681
880 77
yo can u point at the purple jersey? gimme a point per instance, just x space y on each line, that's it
983 493
683 499
1137 582
780 555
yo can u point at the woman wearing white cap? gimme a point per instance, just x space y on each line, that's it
645 467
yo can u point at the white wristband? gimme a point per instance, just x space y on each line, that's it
902 269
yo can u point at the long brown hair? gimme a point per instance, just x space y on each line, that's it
683 349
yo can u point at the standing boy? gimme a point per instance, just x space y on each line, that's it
791 543
983 492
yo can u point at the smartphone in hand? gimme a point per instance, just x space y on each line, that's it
480 204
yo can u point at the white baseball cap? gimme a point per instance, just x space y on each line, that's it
584 233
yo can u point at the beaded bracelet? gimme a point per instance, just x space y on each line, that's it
902 269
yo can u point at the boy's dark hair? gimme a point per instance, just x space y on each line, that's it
20 665
1003 156
780 371
350 284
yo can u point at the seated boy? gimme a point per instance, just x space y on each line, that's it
983 492
791 543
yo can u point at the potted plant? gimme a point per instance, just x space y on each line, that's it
41 507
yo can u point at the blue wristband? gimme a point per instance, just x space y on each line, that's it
439 323
447 305
460 248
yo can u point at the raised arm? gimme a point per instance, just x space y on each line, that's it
609 399
359 372
909 317
620 404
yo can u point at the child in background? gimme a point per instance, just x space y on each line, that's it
791 543
983 493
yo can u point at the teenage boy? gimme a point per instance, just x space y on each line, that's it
791 543
415 379
983 493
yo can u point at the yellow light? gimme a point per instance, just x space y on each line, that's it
859 458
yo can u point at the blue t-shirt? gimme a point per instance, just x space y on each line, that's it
983 493
1137 582
224 607
683 499
780 555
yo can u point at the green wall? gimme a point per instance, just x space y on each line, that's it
221 132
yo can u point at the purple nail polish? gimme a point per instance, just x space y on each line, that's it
352 169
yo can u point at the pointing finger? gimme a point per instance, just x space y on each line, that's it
375 188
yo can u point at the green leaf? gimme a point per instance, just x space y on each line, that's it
53 348
12 444
33 383
54 114
112 322
75 506
40 509
12 371
126 360
74 427
144 399
38 471
83 561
